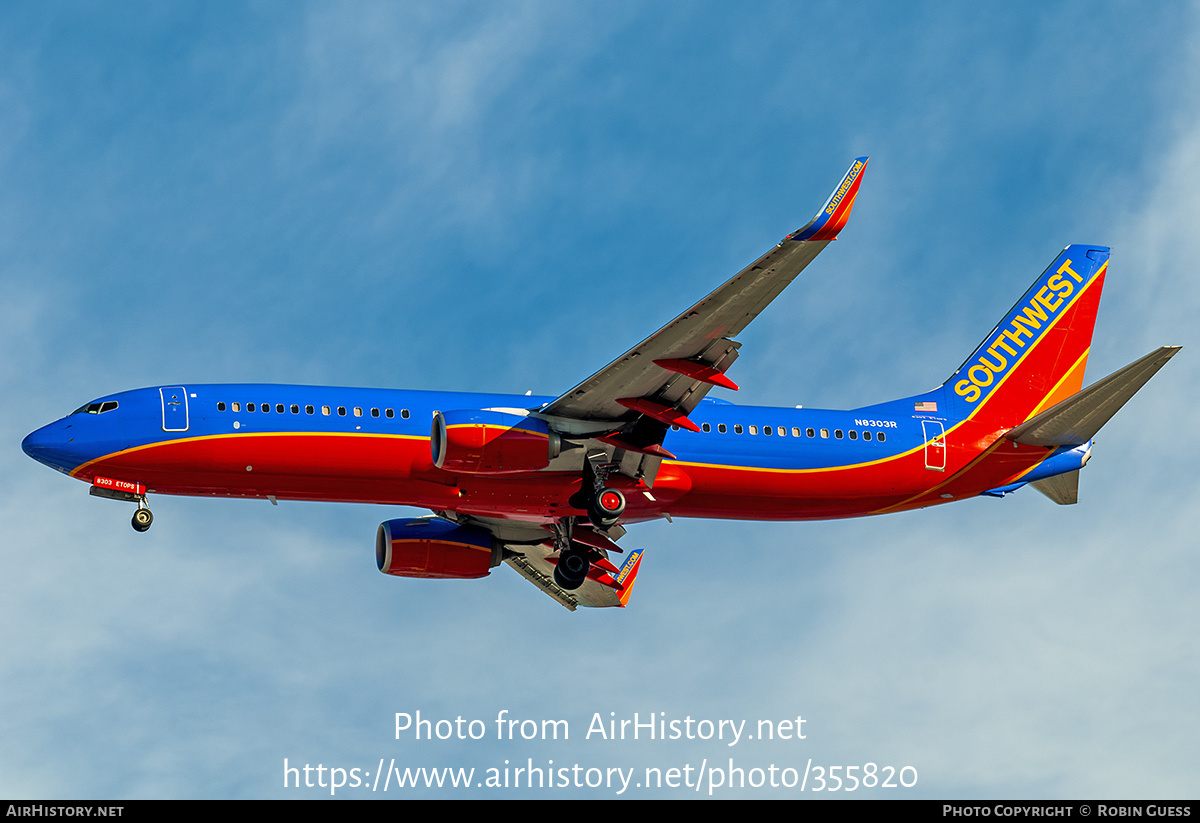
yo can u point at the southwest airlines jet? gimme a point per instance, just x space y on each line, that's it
547 484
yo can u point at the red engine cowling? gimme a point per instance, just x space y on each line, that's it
431 547
491 442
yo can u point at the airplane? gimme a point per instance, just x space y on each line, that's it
547 485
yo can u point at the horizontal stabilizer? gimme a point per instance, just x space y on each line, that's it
1063 489
1076 420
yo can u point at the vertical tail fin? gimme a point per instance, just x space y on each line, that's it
1037 354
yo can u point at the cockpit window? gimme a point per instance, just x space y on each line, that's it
96 408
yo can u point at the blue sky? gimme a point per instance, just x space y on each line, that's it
503 197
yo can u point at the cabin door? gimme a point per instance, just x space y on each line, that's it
174 408
935 445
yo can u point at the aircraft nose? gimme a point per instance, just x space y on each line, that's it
35 443
51 445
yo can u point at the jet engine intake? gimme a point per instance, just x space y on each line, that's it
434 548
491 442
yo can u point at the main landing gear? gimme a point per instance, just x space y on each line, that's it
572 568
604 507
575 560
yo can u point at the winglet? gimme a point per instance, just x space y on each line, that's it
833 215
628 575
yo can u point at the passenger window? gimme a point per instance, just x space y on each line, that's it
341 411
737 428
766 429
809 433
825 434
374 412
853 434
279 408
880 436
796 431
237 406
866 435
404 413
754 429
309 410
390 414
722 428
837 433
783 431
295 409
249 407
220 407
357 411
264 407
706 427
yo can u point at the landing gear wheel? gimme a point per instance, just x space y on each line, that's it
606 508
571 570
142 518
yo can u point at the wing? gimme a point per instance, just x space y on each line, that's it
604 587
668 373
618 417
529 549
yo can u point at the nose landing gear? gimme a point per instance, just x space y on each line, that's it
125 490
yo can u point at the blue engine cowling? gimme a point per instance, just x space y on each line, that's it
434 548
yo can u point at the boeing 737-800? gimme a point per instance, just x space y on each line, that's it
548 484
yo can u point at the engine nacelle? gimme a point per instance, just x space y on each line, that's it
431 547
491 442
